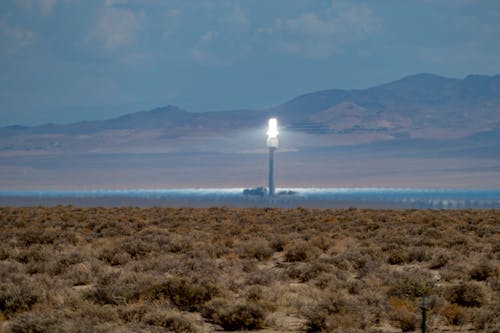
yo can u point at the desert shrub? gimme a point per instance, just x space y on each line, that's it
9 269
256 248
254 294
334 278
300 251
232 317
406 321
454 314
355 287
334 322
17 297
398 257
110 229
133 313
80 274
278 243
435 302
34 254
103 294
495 247
65 261
33 322
114 256
469 294
136 248
116 290
454 272
419 254
323 315
5 251
312 271
364 261
483 271
262 277
403 313
172 322
178 244
440 259
316 321
321 242
410 284
186 294
486 318
98 314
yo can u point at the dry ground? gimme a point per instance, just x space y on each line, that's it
67 269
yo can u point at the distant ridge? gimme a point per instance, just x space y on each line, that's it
418 106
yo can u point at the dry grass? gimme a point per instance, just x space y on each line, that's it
67 269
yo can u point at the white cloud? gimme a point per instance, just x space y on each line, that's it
238 17
322 33
207 37
201 52
20 35
14 38
47 6
173 12
115 28
111 3
43 6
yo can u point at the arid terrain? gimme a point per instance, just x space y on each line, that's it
68 269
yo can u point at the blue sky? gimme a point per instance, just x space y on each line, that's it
69 60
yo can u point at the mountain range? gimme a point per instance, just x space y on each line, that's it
421 131
422 106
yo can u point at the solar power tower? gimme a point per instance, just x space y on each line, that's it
272 144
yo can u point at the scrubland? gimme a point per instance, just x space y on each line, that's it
67 269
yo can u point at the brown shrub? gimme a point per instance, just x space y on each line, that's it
300 251
17 297
186 294
398 257
133 313
104 294
278 243
410 284
172 322
263 277
119 289
113 256
454 314
34 322
419 254
325 315
80 274
440 259
232 317
256 248
470 294
406 321
321 242
486 318
483 271
313 270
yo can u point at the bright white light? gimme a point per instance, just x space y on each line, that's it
272 132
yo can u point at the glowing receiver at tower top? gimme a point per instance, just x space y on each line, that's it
272 133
